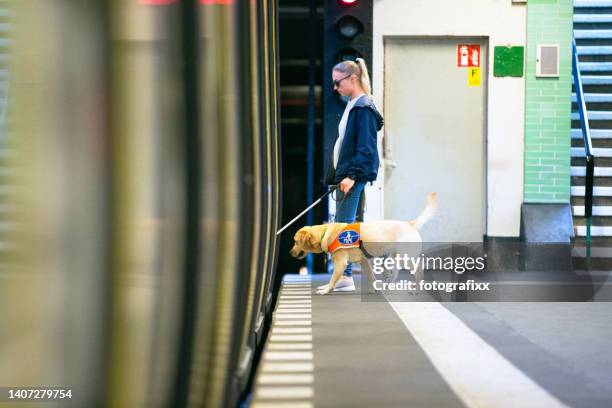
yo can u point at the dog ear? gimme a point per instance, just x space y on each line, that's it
304 239
299 238
313 241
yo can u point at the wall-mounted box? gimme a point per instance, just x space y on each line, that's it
547 60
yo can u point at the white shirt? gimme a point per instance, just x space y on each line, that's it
342 127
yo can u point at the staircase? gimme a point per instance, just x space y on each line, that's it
593 34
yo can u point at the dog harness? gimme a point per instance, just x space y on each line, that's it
349 237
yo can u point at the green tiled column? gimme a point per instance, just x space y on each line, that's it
548 105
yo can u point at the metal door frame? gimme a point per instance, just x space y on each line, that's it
485 113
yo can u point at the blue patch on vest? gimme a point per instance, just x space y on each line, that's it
348 237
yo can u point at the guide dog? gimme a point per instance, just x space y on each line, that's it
318 239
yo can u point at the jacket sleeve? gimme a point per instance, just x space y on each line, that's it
366 151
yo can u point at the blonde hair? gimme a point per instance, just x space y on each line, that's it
358 68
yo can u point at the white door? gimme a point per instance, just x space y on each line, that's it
435 136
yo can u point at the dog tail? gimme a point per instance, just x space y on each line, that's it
428 212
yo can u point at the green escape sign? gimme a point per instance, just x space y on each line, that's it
508 61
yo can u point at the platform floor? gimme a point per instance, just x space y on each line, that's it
341 350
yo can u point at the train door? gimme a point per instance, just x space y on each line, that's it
435 134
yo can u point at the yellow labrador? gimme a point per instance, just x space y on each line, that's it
318 238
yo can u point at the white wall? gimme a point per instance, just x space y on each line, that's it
503 23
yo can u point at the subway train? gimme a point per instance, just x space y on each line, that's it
140 187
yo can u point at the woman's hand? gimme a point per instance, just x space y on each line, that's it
346 185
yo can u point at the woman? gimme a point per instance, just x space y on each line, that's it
355 152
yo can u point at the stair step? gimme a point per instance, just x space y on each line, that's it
598 171
595 242
592 34
597 152
595 231
594 115
598 221
596 66
595 97
594 50
601 161
596 252
597 182
597 191
595 133
599 211
591 4
592 18
597 80
597 201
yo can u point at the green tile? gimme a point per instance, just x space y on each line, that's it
554 161
553 189
538 197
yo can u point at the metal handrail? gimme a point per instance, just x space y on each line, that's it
588 145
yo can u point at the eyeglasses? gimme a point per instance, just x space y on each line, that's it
337 83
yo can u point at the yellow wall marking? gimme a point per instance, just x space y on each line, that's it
474 76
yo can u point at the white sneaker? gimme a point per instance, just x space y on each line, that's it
344 284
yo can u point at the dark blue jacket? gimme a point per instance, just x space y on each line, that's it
358 157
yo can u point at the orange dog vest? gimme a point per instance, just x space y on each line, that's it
349 237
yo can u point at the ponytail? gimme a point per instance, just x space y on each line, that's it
364 77
359 69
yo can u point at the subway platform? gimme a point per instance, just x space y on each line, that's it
348 350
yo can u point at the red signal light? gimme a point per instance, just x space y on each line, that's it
347 2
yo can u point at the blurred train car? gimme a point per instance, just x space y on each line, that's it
140 197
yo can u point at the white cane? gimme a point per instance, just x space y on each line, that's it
306 210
